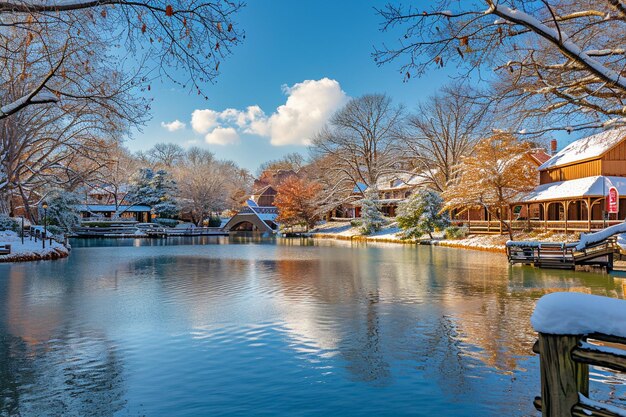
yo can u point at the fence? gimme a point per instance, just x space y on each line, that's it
495 227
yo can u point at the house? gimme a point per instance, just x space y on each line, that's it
575 182
140 213
393 189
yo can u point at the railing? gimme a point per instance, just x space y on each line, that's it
565 358
563 255
493 226
564 363
195 231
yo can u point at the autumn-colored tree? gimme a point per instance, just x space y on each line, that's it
296 202
495 176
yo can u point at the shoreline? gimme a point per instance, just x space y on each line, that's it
30 250
51 255
425 242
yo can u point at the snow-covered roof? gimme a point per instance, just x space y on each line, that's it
583 187
400 181
590 147
111 208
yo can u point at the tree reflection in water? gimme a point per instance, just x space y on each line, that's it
249 317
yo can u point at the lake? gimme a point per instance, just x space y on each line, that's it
218 327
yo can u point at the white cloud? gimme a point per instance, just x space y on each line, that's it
204 120
222 136
173 126
308 107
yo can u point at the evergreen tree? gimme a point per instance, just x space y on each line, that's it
421 214
155 189
371 217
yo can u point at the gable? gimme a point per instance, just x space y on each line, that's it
591 147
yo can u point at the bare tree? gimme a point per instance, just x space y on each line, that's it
207 185
113 176
562 58
165 154
160 37
293 161
442 130
46 146
363 139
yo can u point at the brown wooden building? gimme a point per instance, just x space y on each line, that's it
574 183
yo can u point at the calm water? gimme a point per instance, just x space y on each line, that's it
155 328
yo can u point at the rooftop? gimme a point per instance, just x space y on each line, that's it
583 187
586 148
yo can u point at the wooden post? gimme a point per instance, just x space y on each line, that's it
566 208
589 214
545 216
561 378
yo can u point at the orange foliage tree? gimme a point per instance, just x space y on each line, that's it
496 175
296 200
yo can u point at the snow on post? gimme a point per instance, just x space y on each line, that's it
571 313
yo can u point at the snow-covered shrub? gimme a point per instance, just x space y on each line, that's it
421 214
7 223
356 223
214 221
455 232
54 230
371 217
62 211
166 222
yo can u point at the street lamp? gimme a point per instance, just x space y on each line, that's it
44 206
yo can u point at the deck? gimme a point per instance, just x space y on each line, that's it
564 255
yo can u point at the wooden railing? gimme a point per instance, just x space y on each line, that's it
564 364
494 226
577 330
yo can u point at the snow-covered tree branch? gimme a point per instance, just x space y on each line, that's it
560 58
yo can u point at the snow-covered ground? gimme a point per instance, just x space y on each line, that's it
30 250
344 231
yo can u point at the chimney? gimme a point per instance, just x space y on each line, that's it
553 146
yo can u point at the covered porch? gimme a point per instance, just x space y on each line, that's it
565 206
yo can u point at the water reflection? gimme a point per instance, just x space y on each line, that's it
206 325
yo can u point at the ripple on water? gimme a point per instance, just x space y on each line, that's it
265 329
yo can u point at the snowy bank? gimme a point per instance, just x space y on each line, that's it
30 250
572 313
341 230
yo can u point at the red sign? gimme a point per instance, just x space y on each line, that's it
612 203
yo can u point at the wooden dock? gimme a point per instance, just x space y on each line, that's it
564 255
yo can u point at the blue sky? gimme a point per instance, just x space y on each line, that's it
287 43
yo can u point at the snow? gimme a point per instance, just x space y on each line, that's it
579 314
536 244
585 148
601 406
561 39
583 187
30 248
603 349
587 239
39 98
